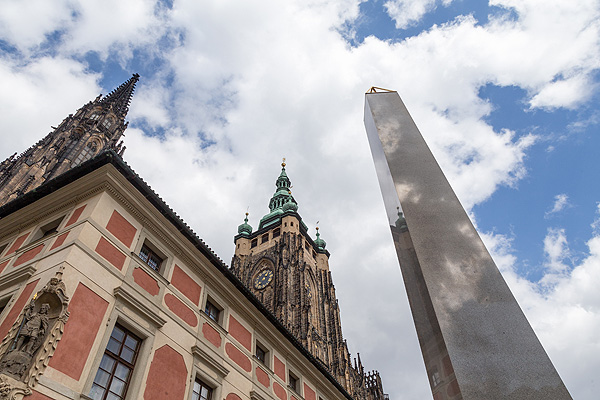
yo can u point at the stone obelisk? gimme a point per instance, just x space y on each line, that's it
475 339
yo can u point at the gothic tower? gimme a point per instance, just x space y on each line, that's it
288 271
95 127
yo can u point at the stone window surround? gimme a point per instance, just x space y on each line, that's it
199 372
291 371
215 299
143 359
258 341
37 234
166 265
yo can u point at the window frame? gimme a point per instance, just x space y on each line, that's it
146 333
202 384
266 361
46 229
216 306
151 254
116 357
292 376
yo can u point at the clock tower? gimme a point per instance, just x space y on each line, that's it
288 271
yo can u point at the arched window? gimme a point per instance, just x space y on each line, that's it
88 152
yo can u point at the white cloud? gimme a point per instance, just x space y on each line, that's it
563 307
406 13
561 201
242 84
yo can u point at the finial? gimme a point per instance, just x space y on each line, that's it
246 219
283 162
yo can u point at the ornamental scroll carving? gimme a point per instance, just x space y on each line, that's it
32 340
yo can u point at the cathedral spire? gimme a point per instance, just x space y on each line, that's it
96 127
120 97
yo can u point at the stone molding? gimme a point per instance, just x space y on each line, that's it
128 295
16 276
205 358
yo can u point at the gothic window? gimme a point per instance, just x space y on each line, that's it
95 117
88 152
114 373
212 311
201 391
150 257
107 123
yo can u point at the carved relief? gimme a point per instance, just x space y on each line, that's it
32 340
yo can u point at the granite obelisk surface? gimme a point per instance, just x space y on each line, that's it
476 342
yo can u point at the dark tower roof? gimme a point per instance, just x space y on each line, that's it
120 98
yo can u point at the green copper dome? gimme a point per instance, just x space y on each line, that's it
245 228
320 243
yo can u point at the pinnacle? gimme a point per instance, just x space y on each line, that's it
120 97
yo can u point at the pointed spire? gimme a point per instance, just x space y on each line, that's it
121 96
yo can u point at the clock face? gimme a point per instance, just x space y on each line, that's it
263 279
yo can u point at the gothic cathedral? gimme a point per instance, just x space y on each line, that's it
289 273
95 127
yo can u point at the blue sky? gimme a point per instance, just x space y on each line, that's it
505 93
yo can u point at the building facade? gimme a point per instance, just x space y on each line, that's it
105 293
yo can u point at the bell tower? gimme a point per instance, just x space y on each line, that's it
288 271
96 127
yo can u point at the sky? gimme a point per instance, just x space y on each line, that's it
505 93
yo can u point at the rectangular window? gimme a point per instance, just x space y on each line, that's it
264 238
47 230
254 243
116 367
306 246
262 354
212 311
276 233
3 247
293 381
201 391
150 257
314 254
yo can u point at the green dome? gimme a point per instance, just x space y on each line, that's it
290 206
320 243
245 228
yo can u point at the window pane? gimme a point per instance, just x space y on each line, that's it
107 363
96 393
113 346
122 372
102 378
118 334
127 354
112 396
117 386
131 342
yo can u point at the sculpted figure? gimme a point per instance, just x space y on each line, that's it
34 328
